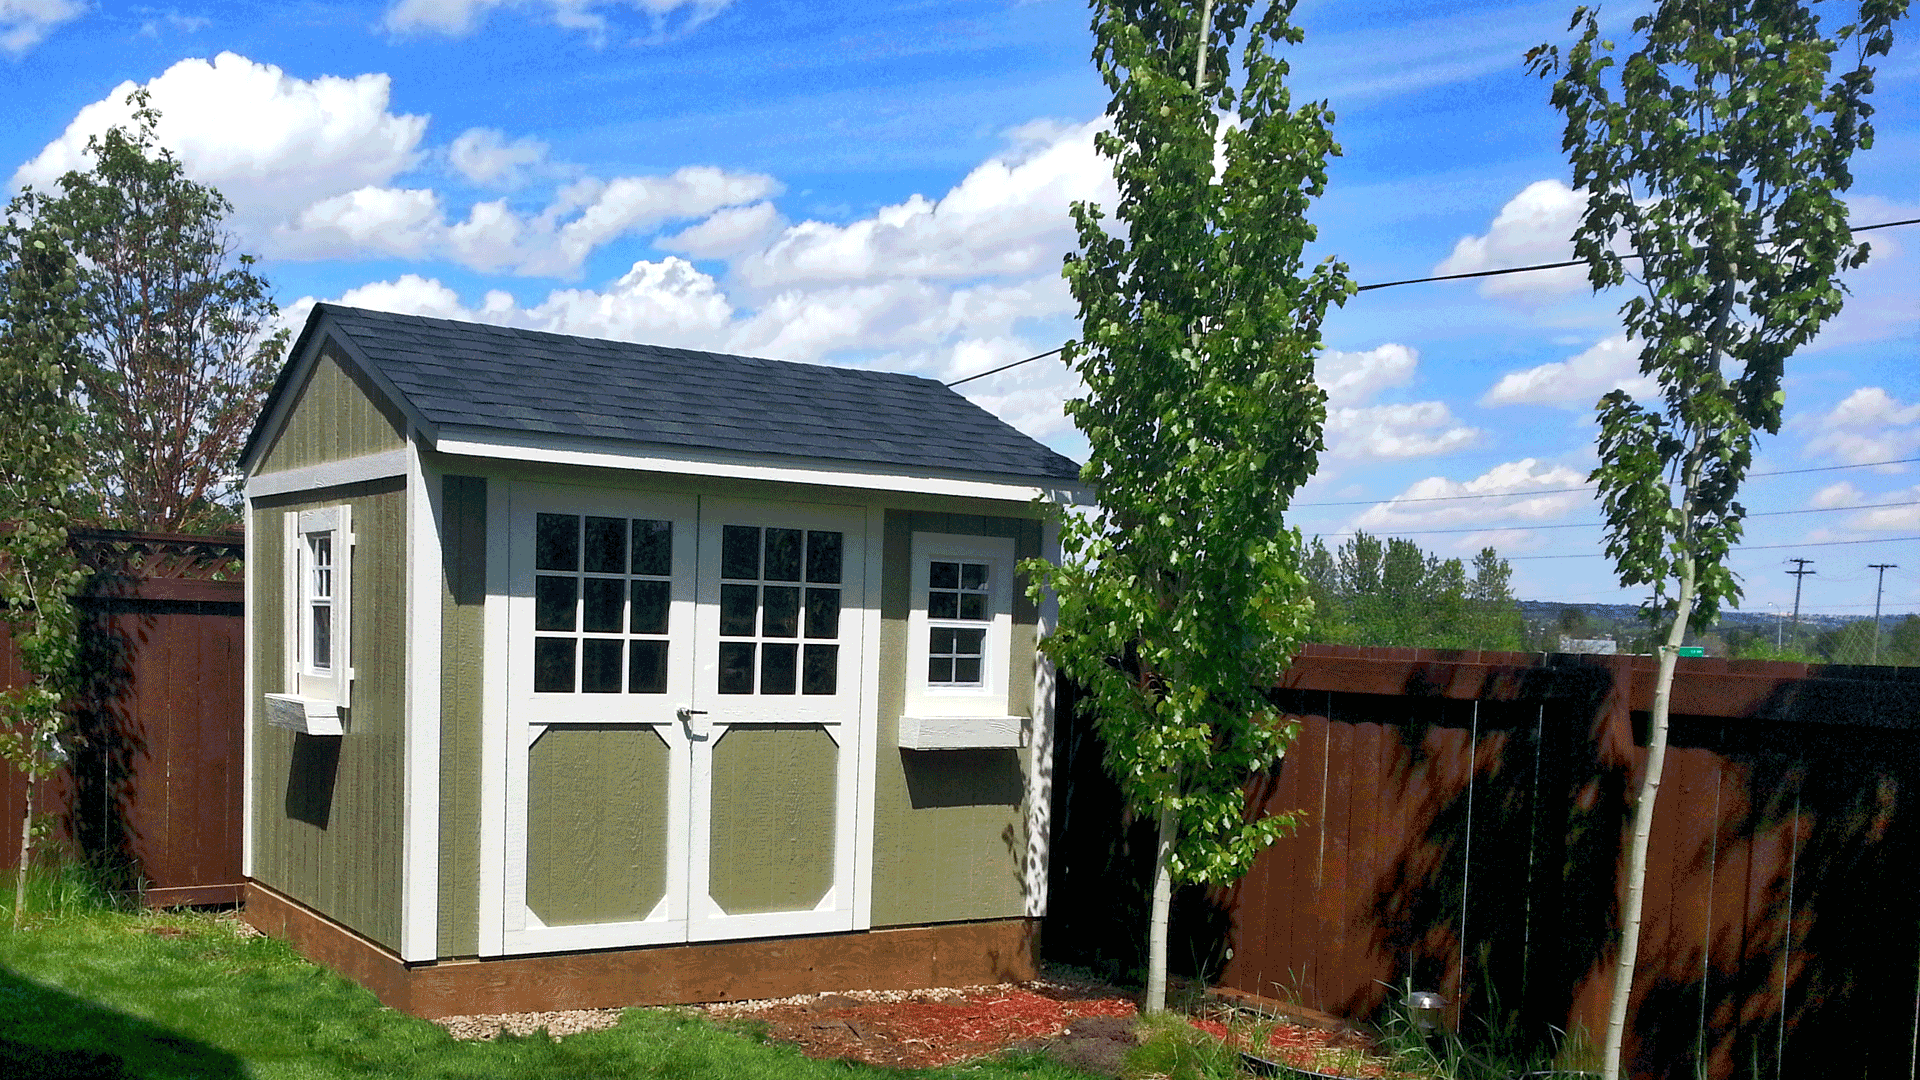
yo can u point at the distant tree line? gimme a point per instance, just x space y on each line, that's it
1387 591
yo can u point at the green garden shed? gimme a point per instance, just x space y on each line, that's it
586 673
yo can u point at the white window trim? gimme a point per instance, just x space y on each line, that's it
334 686
985 705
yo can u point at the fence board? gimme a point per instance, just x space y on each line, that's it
153 787
1780 936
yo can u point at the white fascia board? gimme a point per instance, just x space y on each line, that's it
842 474
249 611
353 470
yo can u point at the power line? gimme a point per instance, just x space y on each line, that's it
1425 280
1589 487
1390 531
1736 550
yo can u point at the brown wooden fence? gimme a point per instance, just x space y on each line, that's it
152 789
1465 827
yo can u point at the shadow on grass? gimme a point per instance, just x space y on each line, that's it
52 1035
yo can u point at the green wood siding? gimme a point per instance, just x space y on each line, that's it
328 811
463 595
949 833
773 814
596 824
337 414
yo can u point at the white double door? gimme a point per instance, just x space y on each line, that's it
731 632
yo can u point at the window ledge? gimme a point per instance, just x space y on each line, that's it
962 732
308 716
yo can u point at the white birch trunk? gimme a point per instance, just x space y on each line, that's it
1643 828
1156 999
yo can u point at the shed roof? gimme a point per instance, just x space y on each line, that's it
530 384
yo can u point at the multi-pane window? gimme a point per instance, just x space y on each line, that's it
958 616
320 602
779 610
602 592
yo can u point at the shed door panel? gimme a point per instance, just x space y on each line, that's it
684 683
602 635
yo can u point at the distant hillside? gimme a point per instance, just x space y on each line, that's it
1548 611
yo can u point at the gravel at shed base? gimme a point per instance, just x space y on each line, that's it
559 1025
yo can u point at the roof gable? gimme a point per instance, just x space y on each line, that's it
528 384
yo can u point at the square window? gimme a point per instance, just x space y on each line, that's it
740 553
824 557
600 665
556 542
553 665
820 671
646 667
736 667
606 599
739 610
653 548
780 614
555 600
606 545
783 555
652 600
777 663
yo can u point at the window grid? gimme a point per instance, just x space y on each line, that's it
604 584
780 602
958 613
320 602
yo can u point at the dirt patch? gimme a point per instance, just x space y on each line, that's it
1090 1026
486 1028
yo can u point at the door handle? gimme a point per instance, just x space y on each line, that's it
687 713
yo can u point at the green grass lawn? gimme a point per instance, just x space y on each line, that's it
111 994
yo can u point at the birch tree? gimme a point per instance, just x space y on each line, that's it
1714 157
41 325
1181 597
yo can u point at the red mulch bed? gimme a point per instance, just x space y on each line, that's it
1085 1024
924 1028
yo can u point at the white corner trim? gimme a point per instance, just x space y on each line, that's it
963 732
250 684
420 858
355 470
1040 757
867 745
494 746
607 455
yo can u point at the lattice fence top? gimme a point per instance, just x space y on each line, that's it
160 556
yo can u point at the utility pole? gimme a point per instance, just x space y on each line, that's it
1883 567
1799 573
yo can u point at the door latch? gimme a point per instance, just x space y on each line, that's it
687 713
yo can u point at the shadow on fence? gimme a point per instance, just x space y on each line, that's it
1466 823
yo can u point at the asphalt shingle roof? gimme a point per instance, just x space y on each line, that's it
494 377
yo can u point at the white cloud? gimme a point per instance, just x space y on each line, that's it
1578 381
459 18
484 156
1510 495
26 23
729 232
1840 494
1007 216
1358 430
389 221
273 144
1419 429
1535 226
1869 425
1353 378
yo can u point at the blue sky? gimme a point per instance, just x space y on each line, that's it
886 184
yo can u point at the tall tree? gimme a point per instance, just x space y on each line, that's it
179 332
1714 156
41 358
1370 592
1180 594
